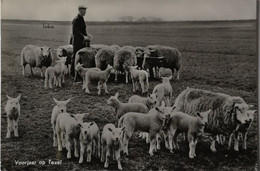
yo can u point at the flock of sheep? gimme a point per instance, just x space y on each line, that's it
194 112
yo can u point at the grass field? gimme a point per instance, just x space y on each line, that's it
216 56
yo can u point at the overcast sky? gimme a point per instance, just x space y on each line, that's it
99 10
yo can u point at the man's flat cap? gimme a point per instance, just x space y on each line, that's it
82 7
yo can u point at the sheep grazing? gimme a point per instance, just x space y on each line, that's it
65 51
139 76
90 139
100 76
192 126
124 58
149 101
55 74
164 91
60 107
171 55
242 131
36 57
165 72
13 112
66 123
227 113
111 141
122 108
150 123
82 71
105 56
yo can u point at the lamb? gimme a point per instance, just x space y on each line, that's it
36 57
13 112
122 108
172 56
105 56
165 72
111 140
124 58
140 76
65 51
67 124
227 113
150 123
243 131
55 74
149 101
60 107
192 126
82 71
90 139
100 76
164 91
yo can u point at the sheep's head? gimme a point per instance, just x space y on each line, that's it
110 68
46 51
61 52
203 117
62 105
117 135
85 129
13 103
251 115
80 117
166 117
113 100
241 112
166 79
78 67
61 60
152 99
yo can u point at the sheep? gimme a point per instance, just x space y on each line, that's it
65 51
243 131
111 140
89 138
55 73
172 57
227 113
66 123
124 58
164 91
36 57
140 76
60 107
82 71
13 112
149 101
150 123
122 108
105 56
192 126
165 72
100 76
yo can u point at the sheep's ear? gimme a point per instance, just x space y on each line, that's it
250 106
110 129
72 116
41 49
163 104
122 129
170 77
56 101
149 95
18 98
49 49
158 109
91 123
198 114
117 95
67 101
86 114
79 125
174 107
9 98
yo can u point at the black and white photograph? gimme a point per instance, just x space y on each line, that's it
129 85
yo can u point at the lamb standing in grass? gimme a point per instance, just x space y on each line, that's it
36 57
122 108
164 91
100 76
139 76
111 141
192 126
82 71
13 112
149 101
55 74
90 139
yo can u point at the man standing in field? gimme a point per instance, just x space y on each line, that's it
79 35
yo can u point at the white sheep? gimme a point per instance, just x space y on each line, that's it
55 74
36 57
139 77
90 139
165 72
105 56
66 123
111 141
149 101
13 112
82 71
150 123
122 108
60 107
192 126
124 58
99 76
65 51
164 91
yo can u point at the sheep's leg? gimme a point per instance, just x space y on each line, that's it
86 87
146 138
15 124
236 137
69 144
142 86
158 141
166 140
107 157
117 154
31 71
59 134
24 69
99 88
175 142
50 81
230 140
9 124
244 135
125 142
63 141
105 87
191 145
45 82
103 152
59 79
116 72
195 144
89 152
42 72
152 143
82 150
126 77
54 136
213 142
76 145
133 82
178 74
